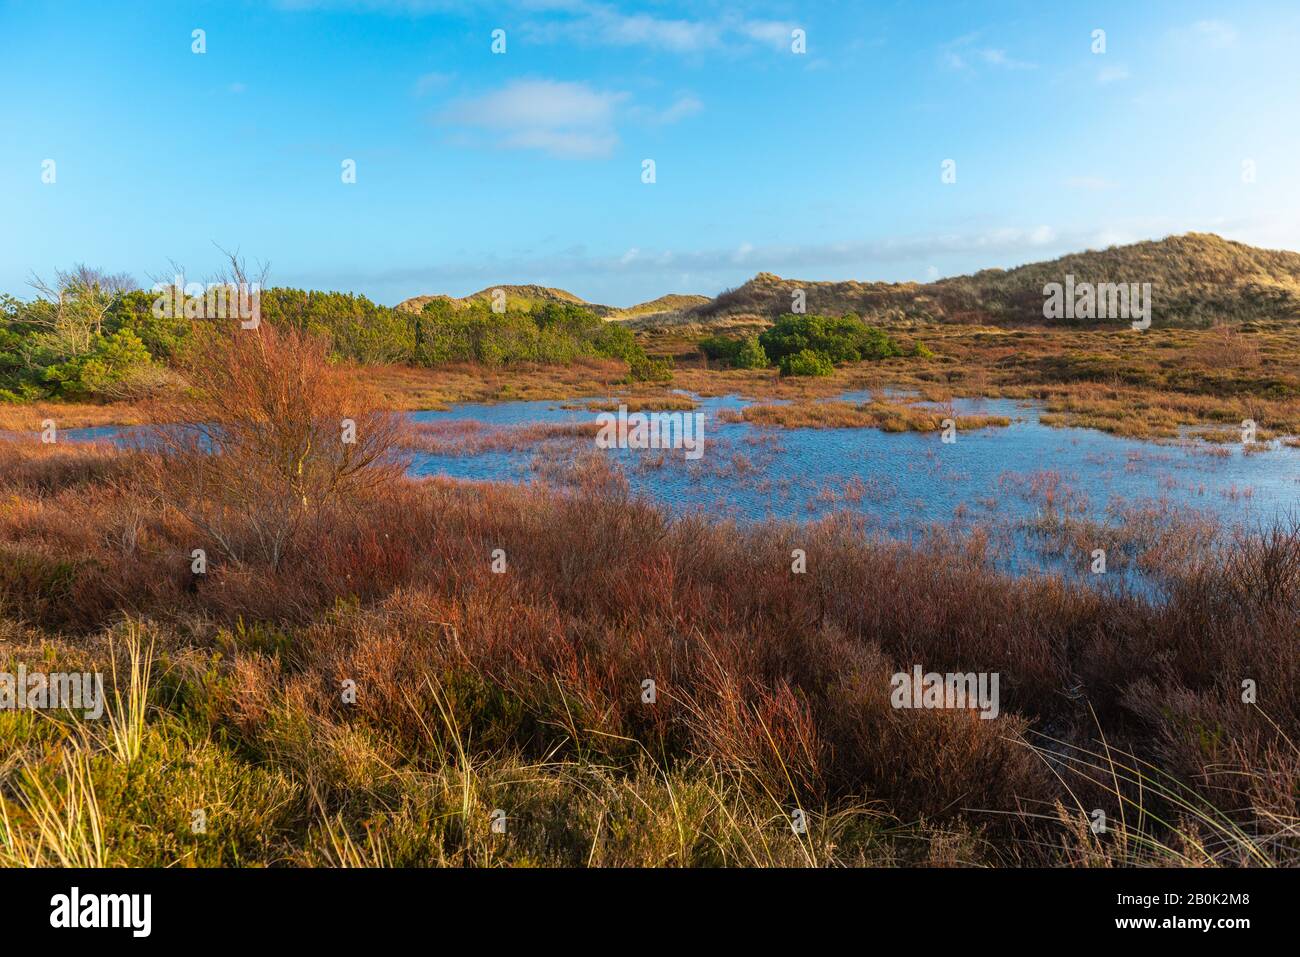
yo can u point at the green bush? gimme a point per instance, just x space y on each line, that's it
721 348
92 336
87 336
553 333
843 339
115 367
647 369
744 353
807 362
751 355
163 336
357 328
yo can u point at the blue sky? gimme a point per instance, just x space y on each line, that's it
475 168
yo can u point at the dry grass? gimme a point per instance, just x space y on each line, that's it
521 690
1145 385
470 437
410 388
877 414
29 417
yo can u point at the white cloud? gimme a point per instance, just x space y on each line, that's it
568 120
565 144
413 8
1112 74
965 53
598 24
428 82
1090 183
999 58
773 33
613 28
591 23
685 105
1217 34
538 104
865 259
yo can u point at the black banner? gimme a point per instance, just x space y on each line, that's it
337 907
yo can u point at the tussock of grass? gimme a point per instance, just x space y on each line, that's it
60 822
877 414
126 716
667 402
468 437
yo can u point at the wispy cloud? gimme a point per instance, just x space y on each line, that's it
1095 184
599 24
967 53
854 258
1217 34
1112 74
544 104
563 119
594 23
564 144
772 33
426 83
686 104
398 7
607 26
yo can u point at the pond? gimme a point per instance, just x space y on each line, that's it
750 472
1025 480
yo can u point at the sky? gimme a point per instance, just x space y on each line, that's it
808 139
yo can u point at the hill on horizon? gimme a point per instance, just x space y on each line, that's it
1196 279
516 296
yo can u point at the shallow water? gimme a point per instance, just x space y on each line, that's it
911 479
904 484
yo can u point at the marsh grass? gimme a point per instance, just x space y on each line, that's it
60 822
877 414
1144 385
468 437
1156 820
126 716
521 690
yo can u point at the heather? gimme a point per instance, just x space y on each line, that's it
369 666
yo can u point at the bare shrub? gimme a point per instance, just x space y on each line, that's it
271 440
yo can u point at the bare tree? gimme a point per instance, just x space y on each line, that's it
236 270
71 309
271 440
